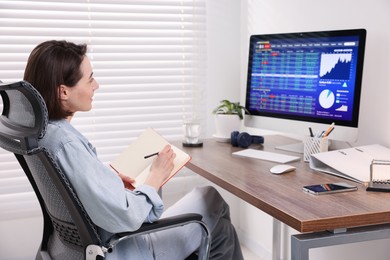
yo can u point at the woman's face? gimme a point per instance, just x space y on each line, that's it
79 97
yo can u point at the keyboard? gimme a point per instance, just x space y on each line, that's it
267 156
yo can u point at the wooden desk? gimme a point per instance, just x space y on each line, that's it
281 196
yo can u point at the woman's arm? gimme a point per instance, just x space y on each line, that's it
101 191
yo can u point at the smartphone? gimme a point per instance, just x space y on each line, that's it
329 188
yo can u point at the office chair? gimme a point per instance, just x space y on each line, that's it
67 226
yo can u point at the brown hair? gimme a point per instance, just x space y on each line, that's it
51 64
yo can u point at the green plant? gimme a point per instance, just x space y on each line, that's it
230 108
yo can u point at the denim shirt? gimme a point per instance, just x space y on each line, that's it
110 206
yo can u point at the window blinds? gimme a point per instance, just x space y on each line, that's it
148 56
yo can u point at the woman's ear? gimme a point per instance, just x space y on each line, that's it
63 92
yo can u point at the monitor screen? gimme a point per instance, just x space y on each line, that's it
310 78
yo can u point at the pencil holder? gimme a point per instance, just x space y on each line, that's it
314 145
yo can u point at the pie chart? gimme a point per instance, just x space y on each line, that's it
326 98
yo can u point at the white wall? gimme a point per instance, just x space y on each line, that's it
223 59
261 16
20 237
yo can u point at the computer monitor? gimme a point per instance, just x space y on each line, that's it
308 79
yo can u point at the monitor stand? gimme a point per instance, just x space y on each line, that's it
298 147
295 148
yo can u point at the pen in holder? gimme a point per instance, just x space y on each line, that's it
314 145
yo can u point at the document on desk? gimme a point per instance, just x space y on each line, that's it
267 156
352 163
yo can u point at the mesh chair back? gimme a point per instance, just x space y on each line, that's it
67 228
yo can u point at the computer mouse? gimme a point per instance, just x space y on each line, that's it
282 168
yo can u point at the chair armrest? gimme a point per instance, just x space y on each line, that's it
161 224
165 223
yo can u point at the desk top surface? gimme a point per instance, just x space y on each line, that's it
281 196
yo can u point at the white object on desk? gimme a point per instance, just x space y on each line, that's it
351 163
267 156
221 139
282 168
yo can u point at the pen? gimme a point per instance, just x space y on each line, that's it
328 130
311 132
150 155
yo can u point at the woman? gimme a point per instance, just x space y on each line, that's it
63 75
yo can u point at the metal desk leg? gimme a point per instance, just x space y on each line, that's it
276 239
301 243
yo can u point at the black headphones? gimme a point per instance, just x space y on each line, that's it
244 139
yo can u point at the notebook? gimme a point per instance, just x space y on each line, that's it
132 161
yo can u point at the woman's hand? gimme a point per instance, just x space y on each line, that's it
127 181
161 168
